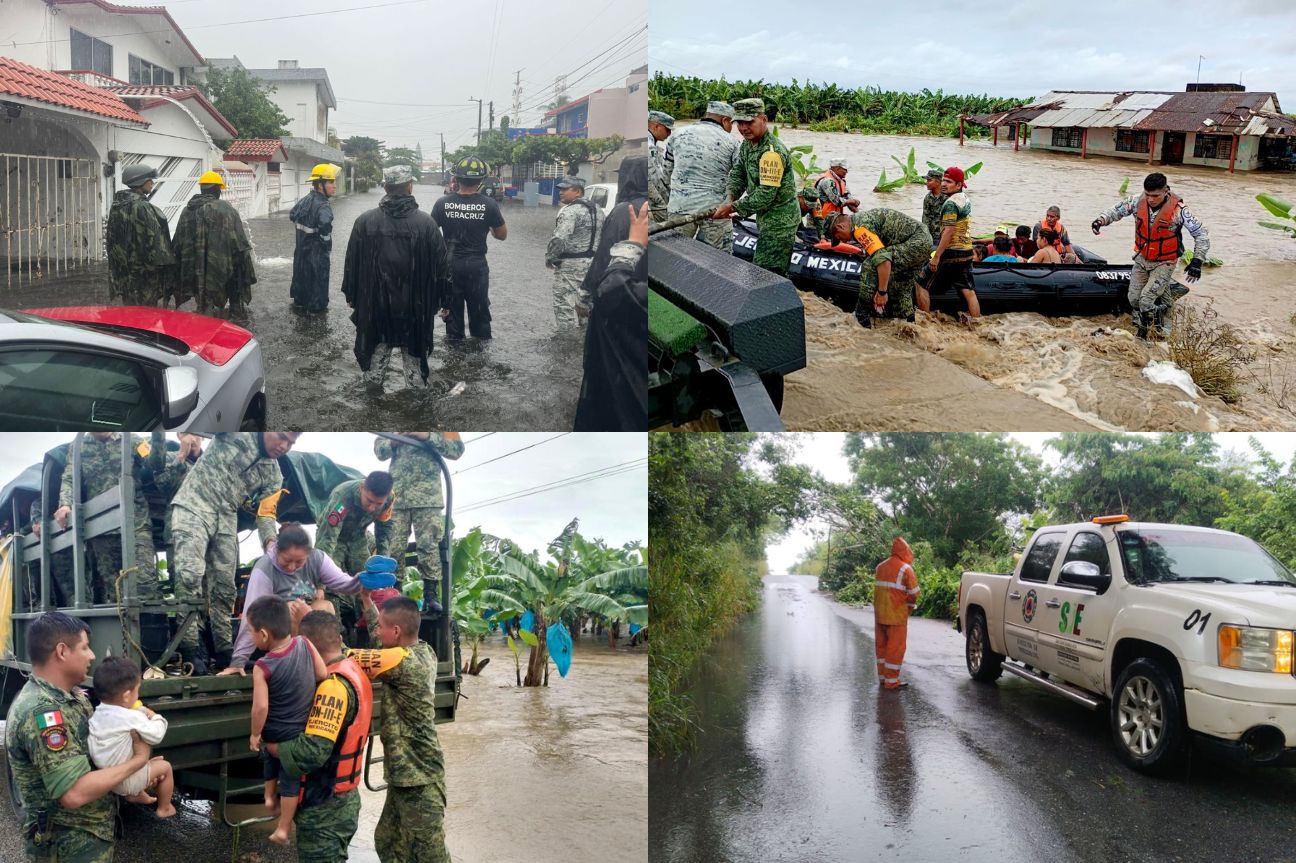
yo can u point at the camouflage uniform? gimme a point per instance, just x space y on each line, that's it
811 197
341 532
411 827
140 258
101 472
931 216
213 257
324 830
696 166
416 487
658 181
204 527
45 742
771 198
61 569
570 250
889 235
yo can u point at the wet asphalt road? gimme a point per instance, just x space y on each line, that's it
801 757
526 378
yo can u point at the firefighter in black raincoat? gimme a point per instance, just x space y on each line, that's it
395 279
614 390
213 255
313 217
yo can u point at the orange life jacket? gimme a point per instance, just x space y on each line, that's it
1059 228
1155 240
827 208
349 754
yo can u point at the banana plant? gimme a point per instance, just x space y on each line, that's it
1280 208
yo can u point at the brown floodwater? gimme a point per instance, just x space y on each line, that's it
1059 373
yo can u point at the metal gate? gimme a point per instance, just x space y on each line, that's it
49 216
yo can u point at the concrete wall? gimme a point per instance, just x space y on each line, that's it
619 112
32 20
300 101
1248 154
1102 142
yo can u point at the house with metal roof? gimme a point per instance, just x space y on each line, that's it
1216 125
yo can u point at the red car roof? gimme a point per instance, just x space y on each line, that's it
214 340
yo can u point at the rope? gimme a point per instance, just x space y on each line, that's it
186 668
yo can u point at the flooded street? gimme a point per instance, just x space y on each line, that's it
801 756
526 378
1087 368
565 763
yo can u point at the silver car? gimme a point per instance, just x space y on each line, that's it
129 368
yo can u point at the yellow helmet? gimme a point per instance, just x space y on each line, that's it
211 178
324 171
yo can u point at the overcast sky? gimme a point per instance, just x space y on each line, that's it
614 508
1005 49
428 57
823 452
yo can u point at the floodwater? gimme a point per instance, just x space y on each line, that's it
550 774
526 378
1090 369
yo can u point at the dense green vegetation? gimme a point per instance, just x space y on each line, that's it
966 501
829 108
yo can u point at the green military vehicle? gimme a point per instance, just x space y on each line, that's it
209 717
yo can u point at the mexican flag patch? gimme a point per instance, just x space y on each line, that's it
339 512
49 720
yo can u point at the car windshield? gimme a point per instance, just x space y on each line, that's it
1164 554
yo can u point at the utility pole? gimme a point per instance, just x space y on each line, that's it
1199 59
491 123
517 98
479 117
443 164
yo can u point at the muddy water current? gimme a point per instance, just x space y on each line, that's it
1071 372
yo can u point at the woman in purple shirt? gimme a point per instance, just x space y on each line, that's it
297 573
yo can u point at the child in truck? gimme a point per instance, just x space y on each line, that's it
283 687
117 686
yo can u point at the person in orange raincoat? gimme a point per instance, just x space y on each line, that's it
895 593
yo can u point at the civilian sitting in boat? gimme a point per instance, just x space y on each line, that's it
1003 252
1051 230
1023 245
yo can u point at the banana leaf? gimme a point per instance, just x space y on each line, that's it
1124 188
1280 208
885 185
975 168
1275 226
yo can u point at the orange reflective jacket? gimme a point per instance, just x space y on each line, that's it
895 587
1154 239
1059 228
349 753
826 207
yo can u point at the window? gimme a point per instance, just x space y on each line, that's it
1213 147
1131 141
144 72
1091 548
91 55
1068 137
598 196
58 389
1039 560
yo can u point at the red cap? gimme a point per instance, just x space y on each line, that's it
956 174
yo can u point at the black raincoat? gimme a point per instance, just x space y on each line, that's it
313 217
614 390
396 277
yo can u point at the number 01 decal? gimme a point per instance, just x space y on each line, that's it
1197 619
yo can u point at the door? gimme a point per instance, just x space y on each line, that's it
1172 151
1073 641
1023 611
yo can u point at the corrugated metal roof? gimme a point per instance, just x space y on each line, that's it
1229 112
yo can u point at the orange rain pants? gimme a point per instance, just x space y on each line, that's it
890 641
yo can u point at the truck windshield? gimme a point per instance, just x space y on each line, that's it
1165 554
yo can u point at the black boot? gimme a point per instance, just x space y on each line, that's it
864 319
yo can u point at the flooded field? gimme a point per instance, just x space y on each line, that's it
1075 372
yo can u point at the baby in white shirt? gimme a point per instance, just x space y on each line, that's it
117 685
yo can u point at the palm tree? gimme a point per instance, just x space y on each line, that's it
561 586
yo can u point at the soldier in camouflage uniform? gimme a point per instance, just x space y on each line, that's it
341 532
140 259
697 164
100 472
571 248
45 743
895 249
660 125
808 202
763 184
326 821
61 566
213 255
416 487
237 466
411 827
932 204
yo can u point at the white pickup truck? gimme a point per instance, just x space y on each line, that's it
1183 632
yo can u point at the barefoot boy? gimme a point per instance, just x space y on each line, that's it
117 685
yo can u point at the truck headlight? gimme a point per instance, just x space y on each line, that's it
1250 648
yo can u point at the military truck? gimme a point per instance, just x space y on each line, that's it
209 717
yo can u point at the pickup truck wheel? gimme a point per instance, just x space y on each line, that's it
1147 718
983 663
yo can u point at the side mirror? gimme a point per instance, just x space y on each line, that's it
1082 573
180 397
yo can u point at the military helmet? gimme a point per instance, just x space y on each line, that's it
324 171
137 175
211 178
470 168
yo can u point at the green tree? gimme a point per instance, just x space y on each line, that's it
1265 508
367 155
952 490
243 100
403 156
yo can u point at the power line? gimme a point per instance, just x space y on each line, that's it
619 46
480 437
514 452
578 479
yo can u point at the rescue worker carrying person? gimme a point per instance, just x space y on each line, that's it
895 248
1159 219
895 594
